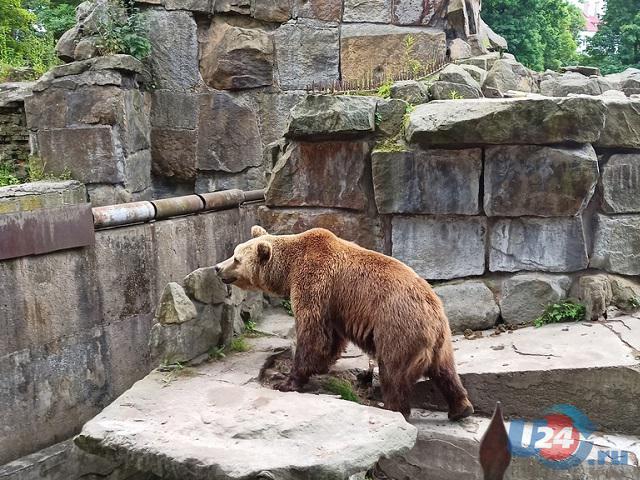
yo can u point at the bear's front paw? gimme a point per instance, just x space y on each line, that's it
289 385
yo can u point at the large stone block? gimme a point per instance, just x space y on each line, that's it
440 248
174 49
233 57
175 306
468 305
307 51
228 134
528 121
204 285
272 10
373 11
538 181
620 183
331 115
356 227
616 245
36 195
544 244
453 91
321 174
416 12
325 10
573 83
622 125
524 297
91 154
173 153
173 109
367 49
427 181
507 74
594 292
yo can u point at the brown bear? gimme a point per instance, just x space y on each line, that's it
341 292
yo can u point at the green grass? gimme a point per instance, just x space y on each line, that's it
567 311
384 90
239 344
341 387
7 175
390 145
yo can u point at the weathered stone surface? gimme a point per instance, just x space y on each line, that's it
341 167
506 74
273 112
573 83
375 11
253 178
242 7
544 244
66 44
616 246
456 74
620 183
625 292
90 154
487 60
427 181
594 292
283 428
185 341
524 297
174 49
390 116
175 306
622 125
272 10
13 94
459 49
101 194
325 115
173 109
228 134
539 181
202 6
356 227
36 195
373 48
507 121
306 52
411 91
173 153
422 243
234 58
453 91
137 171
477 73
627 81
325 10
416 12
204 285
497 42
468 305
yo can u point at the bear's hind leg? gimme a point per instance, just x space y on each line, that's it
395 389
443 374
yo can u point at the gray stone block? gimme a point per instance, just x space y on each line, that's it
173 109
411 91
616 245
524 297
424 242
620 183
539 181
453 91
544 244
622 125
307 51
204 285
427 181
373 11
468 305
173 153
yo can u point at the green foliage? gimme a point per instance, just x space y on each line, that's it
390 144
616 46
341 387
567 311
541 33
634 303
8 175
454 95
123 31
216 353
286 304
239 344
384 90
36 171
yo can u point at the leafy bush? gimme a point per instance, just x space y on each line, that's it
124 30
7 175
341 387
567 311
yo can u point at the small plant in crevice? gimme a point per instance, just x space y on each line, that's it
566 311
384 91
36 171
172 369
216 353
123 30
455 95
341 387
8 175
286 304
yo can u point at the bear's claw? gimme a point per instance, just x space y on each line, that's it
460 414
287 386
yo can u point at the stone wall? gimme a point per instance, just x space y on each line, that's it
220 81
76 323
14 135
507 205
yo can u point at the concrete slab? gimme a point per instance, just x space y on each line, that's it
217 421
449 451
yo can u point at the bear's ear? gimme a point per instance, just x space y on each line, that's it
264 252
257 231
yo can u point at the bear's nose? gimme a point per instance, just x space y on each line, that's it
217 269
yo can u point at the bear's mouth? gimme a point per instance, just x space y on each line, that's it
228 281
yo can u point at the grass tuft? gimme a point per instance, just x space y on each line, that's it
567 311
337 386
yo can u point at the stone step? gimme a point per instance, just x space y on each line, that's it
449 451
594 366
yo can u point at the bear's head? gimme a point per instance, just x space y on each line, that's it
247 268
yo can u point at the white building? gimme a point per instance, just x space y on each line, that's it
592 11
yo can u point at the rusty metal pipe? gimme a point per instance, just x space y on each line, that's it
123 214
230 198
174 207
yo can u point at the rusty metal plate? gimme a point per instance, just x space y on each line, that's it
45 230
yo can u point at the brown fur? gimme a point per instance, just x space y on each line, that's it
341 292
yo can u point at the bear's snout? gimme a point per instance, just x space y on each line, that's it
217 269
